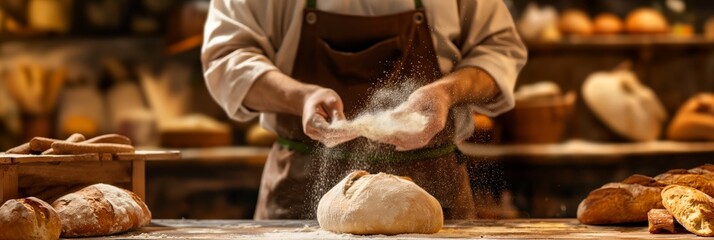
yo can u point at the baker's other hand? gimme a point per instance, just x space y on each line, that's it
433 102
322 107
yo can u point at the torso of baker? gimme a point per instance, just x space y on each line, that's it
354 48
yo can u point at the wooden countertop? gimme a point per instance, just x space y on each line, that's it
309 229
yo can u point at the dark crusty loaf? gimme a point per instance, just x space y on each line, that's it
29 218
699 178
692 208
623 202
694 120
630 200
101 209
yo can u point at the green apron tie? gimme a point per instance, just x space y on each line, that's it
370 156
313 4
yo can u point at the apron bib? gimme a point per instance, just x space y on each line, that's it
356 55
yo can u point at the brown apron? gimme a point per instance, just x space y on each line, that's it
355 55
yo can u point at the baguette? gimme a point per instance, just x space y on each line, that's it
41 144
73 138
110 138
692 208
62 147
22 149
624 202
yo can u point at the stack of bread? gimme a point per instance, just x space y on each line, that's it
685 194
95 210
75 144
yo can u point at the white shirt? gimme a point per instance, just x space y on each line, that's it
244 39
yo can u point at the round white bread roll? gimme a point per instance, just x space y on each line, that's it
99 210
625 105
29 218
379 204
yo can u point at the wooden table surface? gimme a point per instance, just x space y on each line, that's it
306 229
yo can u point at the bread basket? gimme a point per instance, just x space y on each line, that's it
538 121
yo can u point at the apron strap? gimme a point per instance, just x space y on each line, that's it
392 157
313 4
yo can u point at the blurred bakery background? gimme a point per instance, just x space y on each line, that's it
611 88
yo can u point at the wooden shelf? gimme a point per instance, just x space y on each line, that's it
622 41
90 157
576 148
42 37
255 156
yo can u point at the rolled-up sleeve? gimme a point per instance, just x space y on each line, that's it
236 52
489 41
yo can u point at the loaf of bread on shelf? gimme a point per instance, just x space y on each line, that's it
694 121
29 218
692 208
100 210
624 202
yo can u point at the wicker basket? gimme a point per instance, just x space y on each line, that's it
538 121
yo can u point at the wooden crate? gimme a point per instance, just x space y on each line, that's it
49 177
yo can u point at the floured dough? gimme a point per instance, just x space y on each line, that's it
364 203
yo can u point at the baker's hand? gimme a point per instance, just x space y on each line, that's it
323 107
431 101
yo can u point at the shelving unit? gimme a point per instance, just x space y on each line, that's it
622 41
576 148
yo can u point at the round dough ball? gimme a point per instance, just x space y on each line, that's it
646 21
608 24
364 203
29 218
575 22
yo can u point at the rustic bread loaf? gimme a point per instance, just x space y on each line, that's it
100 209
29 218
692 208
698 178
694 121
364 203
624 202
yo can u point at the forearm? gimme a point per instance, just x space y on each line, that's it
278 93
468 85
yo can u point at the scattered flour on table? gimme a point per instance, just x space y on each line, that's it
148 236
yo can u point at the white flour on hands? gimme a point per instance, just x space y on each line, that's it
380 125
